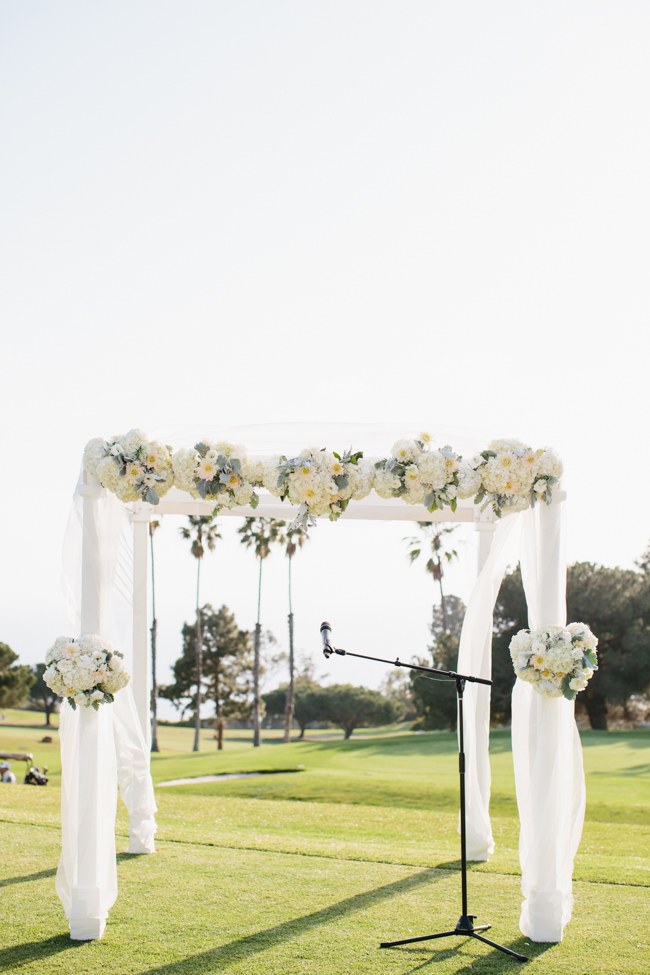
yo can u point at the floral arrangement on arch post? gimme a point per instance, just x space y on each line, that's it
217 472
514 477
420 475
131 466
87 672
557 661
320 482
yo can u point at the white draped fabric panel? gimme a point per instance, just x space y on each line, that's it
104 747
475 659
546 747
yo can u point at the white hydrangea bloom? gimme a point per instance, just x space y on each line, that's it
554 660
88 672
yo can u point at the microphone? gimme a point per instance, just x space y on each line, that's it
326 633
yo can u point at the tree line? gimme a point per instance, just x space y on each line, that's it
223 664
614 602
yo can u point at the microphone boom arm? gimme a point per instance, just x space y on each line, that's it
449 674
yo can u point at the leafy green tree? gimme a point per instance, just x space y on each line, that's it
436 541
259 534
310 702
396 686
40 695
226 653
296 537
510 616
435 697
644 562
352 707
202 533
615 604
435 700
15 679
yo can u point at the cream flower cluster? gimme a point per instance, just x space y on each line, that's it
507 476
132 467
217 472
419 475
319 482
557 661
514 476
87 672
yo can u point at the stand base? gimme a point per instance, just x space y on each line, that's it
466 929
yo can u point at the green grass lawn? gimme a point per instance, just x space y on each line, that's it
306 871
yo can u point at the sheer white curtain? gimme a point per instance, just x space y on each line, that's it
475 659
104 747
546 747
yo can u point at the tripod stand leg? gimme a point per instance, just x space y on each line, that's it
409 941
493 944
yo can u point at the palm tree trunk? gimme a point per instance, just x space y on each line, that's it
154 634
218 712
290 707
443 606
291 690
256 666
199 662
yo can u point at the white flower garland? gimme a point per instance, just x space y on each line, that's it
131 466
219 472
514 477
319 482
86 672
557 661
507 476
419 475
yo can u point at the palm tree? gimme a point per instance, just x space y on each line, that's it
153 525
259 534
438 537
296 537
201 533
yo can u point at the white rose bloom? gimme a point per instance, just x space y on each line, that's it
433 469
585 637
415 493
386 483
244 494
81 700
132 441
539 487
550 465
271 474
116 681
254 472
405 451
93 453
506 445
578 684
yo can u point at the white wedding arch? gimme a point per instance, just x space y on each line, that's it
106 578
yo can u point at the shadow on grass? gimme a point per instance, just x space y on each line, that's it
28 877
17 955
493 962
217 959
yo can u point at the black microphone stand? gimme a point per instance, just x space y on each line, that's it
465 925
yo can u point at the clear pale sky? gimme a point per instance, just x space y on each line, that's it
246 212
